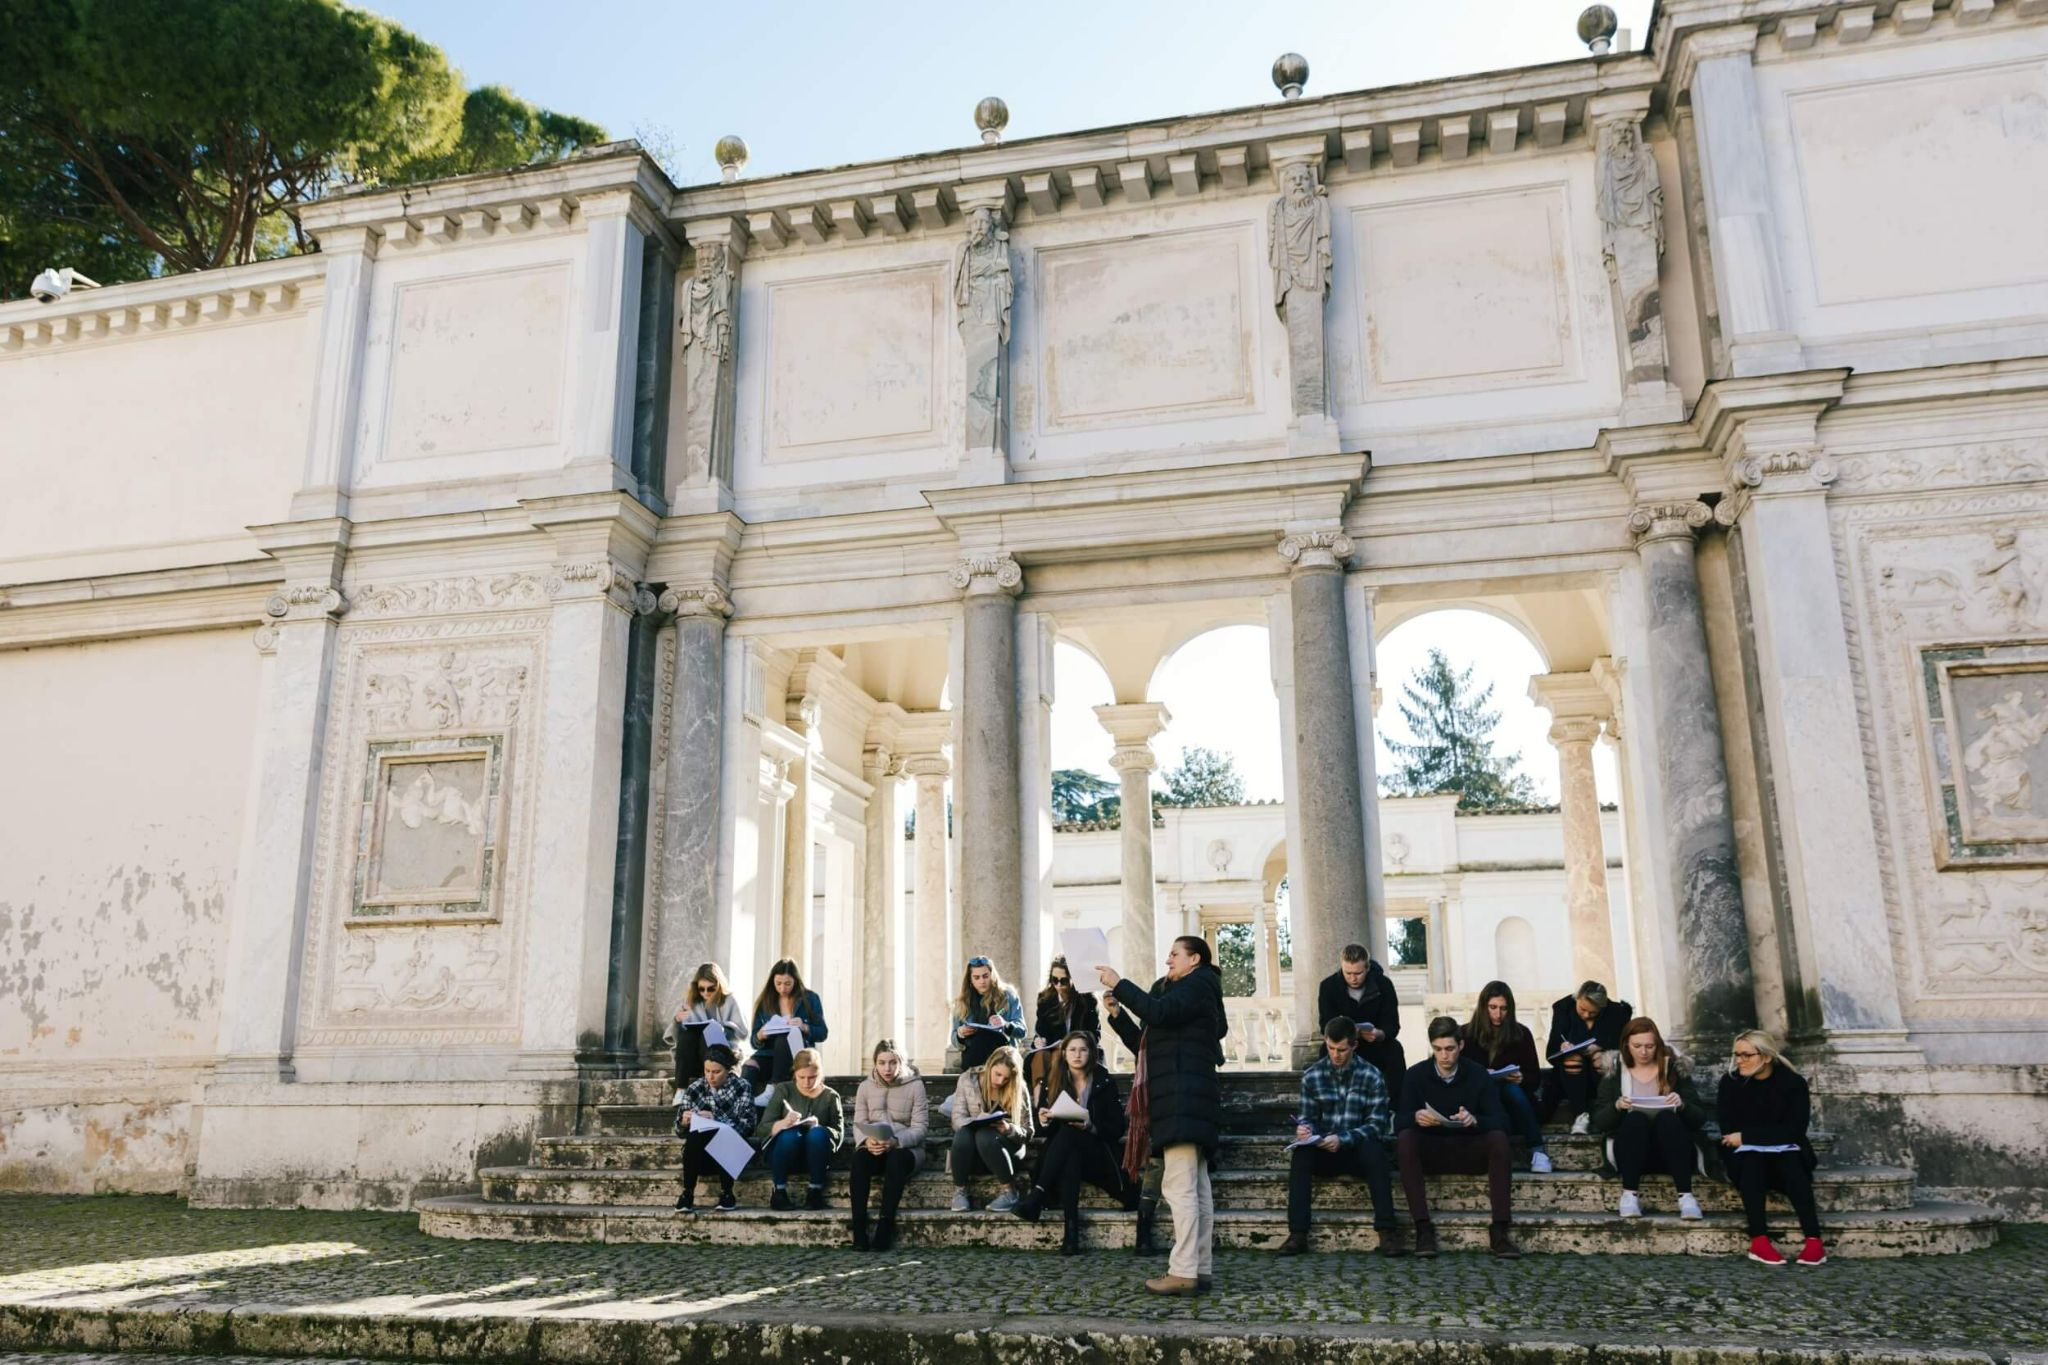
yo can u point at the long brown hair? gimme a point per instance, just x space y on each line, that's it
1018 1094
1480 1034
967 1002
1062 1077
1047 994
769 998
693 996
1666 1059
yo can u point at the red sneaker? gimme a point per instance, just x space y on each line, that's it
1762 1252
1813 1253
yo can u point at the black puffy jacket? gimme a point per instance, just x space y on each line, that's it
1184 1025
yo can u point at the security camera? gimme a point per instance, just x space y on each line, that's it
51 285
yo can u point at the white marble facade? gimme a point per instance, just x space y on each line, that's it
416 656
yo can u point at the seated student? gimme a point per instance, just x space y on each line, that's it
784 996
1063 1008
720 1093
1360 991
1766 1104
983 999
1585 1014
1644 1138
1089 1149
709 1000
892 1093
996 1146
802 1121
1449 1121
1496 1041
1344 1105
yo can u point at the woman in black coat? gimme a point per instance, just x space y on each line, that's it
1063 1008
1764 1108
1176 1099
1089 1148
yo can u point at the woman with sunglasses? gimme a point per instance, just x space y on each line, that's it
708 1001
1063 1008
783 996
986 1014
1765 1108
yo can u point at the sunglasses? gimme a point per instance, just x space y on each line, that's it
978 962
1062 980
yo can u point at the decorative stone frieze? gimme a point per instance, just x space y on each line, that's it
448 596
585 580
980 575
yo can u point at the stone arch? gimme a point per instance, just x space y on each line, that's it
1390 618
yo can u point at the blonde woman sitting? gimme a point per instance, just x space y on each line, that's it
802 1121
991 1127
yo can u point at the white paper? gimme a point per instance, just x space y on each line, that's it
1084 950
1653 1101
1311 1140
795 1041
868 1132
1502 1071
780 1023
1448 1121
1068 1110
1575 1047
714 1032
727 1148
997 1025
990 1117
946 1105
789 1111
1768 1147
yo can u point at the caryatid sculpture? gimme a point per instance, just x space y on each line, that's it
1298 247
1630 203
707 333
982 293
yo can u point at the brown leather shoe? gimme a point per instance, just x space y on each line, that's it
1391 1242
1296 1243
1501 1244
1425 1239
1174 1284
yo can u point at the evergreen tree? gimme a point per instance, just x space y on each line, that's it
1450 748
1205 777
1079 796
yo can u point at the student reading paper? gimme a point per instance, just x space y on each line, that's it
991 1125
890 1117
716 1107
785 1006
1449 1121
709 1016
810 1127
1343 1129
1765 1107
1649 1112
1507 1049
986 1014
1082 1115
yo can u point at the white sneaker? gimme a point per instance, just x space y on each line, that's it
1631 1205
1539 1162
961 1203
1582 1125
1689 1207
677 1100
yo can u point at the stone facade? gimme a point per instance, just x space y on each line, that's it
416 656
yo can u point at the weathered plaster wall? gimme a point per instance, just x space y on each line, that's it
114 874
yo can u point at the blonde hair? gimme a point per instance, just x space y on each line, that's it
807 1057
1766 1043
1012 1097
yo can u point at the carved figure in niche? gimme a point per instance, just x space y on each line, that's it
441 697
1298 237
706 325
425 799
498 687
430 829
1397 851
1630 202
707 304
2001 778
388 699
424 986
477 988
2002 577
982 294
358 954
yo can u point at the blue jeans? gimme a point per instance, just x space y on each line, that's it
813 1146
1521 1114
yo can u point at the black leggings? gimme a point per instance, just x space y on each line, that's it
697 1162
984 1148
1570 1091
1073 1155
1649 1141
1755 1173
896 1165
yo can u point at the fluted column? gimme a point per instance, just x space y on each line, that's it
931 969
1577 706
1706 887
989 807
1334 910
1133 727
881 939
1265 953
796 840
686 905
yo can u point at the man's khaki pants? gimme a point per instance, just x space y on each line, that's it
1184 1183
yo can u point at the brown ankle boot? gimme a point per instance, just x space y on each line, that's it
1425 1239
1392 1243
1501 1244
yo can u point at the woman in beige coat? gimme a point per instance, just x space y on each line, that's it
892 1098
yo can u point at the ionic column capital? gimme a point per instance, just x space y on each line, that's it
1785 471
1574 730
927 767
1312 550
696 600
989 574
1654 522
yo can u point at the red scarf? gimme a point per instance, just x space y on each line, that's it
1138 1137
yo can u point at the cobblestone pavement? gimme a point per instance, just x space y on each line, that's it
142 1253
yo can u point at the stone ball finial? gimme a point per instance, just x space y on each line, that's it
1597 26
992 116
731 152
1290 74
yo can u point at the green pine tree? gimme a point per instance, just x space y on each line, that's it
1450 744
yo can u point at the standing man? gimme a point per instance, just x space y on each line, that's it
1345 1110
1450 1123
1584 1028
1176 1102
1360 991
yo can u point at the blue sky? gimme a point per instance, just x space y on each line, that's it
810 84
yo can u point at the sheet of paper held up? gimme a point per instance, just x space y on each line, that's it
1085 950
1068 1110
726 1147
714 1032
871 1132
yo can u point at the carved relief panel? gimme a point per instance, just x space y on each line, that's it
417 915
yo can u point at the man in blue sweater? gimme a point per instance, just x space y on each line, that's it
1450 1123
1345 1122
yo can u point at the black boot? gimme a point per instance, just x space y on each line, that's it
860 1231
1148 1216
1070 1243
885 1233
1031 1205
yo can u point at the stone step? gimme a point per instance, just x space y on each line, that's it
1284 1086
1925 1229
1845 1189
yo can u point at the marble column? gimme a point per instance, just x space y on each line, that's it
1334 912
1037 635
1132 728
1819 785
692 809
268 905
1265 953
1298 252
798 841
882 969
931 971
990 812
1280 646
707 316
1706 888
1577 706
600 543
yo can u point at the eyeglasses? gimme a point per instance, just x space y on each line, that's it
1747 1056
978 962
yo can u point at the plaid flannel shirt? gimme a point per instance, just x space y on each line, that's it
731 1103
1350 1105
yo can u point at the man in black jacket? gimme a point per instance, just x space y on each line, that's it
1585 1017
1449 1121
1360 991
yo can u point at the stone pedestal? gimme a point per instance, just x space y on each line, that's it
1706 888
686 907
932 973
991 851
1133 727
268 905
1578 706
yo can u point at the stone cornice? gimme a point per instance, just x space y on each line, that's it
203 298
470 201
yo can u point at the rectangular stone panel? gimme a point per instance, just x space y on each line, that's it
1146 328
854 362
1987 718
431 841
477 363
1462 293
1925 185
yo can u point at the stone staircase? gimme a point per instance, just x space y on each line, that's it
615 1181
